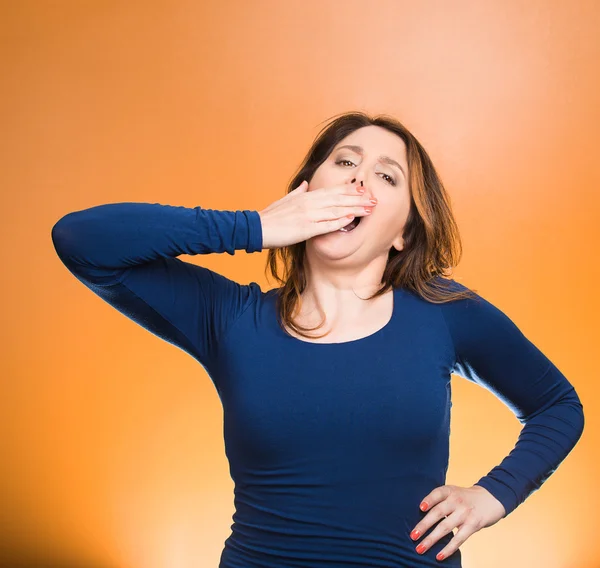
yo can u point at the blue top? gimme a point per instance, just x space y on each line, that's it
331 446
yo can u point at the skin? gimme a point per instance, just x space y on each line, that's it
343 268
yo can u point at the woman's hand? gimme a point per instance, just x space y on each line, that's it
303 214
467 508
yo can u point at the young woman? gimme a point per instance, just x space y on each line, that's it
337 441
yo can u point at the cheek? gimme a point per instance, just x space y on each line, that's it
389 209
316 181
391 217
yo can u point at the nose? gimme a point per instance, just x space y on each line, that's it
367 190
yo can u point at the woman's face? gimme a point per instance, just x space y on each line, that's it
383 228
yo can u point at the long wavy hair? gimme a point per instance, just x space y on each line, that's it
432 244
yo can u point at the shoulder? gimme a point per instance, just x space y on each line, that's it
476 321
445 283
441 291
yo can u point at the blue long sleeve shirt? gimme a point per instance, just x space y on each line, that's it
331 446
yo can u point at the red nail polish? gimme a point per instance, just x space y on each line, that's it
415 534
440 556
421 548
424 506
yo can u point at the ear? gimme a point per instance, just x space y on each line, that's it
398 243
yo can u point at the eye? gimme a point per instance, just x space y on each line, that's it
392 182
390 178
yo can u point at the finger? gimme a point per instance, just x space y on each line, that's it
347 200
328 206
464 532
435 497
332 213
301 188
345 189
435 503
441 510
442 529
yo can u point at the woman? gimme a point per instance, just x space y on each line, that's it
337 442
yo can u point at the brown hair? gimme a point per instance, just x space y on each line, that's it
432 244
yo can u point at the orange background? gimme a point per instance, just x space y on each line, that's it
112 443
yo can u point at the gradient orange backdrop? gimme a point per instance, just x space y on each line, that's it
112 449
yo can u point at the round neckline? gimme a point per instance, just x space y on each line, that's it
373 335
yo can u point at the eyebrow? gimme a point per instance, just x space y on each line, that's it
385 159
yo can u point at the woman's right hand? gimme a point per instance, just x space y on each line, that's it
303 214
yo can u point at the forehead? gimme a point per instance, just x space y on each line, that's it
377 140
387 146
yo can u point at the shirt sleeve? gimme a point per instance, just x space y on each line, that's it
126 254
491 351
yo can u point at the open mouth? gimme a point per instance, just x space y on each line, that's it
351 226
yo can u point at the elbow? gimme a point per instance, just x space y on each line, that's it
58 235
564 414
579 407
572 405
64 236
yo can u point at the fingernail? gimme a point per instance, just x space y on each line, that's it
440 556
424 506
421 548
415 534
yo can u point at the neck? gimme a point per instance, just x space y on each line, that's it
340 293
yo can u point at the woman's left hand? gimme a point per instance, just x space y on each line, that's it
469 509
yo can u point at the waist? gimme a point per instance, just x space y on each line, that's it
308 527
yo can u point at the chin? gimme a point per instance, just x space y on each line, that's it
331 246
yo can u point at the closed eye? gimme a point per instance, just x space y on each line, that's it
391 179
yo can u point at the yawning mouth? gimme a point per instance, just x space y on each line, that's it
351 226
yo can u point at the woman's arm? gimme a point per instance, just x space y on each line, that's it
126 254
491 351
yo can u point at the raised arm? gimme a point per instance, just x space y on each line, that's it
491 351
126 254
